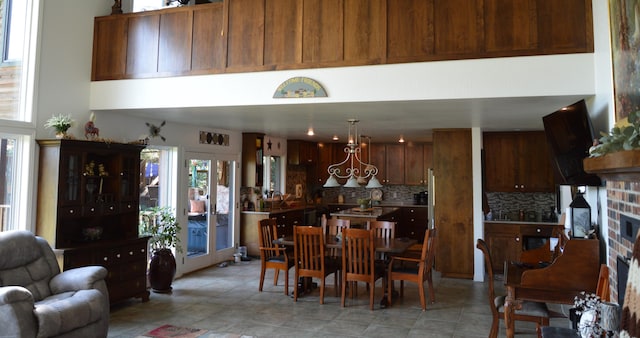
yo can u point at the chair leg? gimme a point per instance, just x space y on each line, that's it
276 274
262 272
389 289
372 292
344 289
423 301
401 288
286 282
295 289
494 328
322 291
432 294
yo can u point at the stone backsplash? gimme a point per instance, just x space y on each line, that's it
507 206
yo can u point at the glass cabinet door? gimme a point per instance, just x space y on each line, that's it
70 187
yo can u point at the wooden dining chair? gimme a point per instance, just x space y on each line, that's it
416 269
272 256
333 227
385 230
529 312
311 260
359 263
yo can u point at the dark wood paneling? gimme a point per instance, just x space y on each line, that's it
142 46
557 22
510 25
414 164
110 48
283 32
458 27
245 40
365 35
453 202
322 36
208 39
409 29
174 49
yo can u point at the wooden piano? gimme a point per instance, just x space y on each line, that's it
575 270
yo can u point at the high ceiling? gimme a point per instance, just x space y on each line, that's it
383 121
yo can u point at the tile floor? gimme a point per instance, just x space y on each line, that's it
227 301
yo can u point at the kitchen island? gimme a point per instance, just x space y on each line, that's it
359 216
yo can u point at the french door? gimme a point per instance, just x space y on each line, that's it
210 182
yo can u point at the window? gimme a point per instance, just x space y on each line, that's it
15 15
157 186
273 173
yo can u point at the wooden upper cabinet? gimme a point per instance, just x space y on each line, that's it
389 159
109 47
557 25
428 156
458 27
283 32
302 152
174 50
517 162
364 30
142 45
510 25
414 170
409 30
245 39
322 31
209 42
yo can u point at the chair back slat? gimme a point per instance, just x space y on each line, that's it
268 232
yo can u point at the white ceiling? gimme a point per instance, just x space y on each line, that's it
383 121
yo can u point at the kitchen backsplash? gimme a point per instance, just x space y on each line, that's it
505 205
400 194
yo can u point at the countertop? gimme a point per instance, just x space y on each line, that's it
374 212
520 222
277 211
385 204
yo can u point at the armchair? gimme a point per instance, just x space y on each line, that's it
37 300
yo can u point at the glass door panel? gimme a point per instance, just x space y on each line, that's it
224 204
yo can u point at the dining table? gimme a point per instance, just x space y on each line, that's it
574 271
389 246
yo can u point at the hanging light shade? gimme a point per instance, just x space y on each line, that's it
354 173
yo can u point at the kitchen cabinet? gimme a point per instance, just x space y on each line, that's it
88 210
453 212
252 161
418 158
517 162
507 241
389 159
286 220
302 152
413 222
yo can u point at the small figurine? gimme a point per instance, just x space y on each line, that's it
90 130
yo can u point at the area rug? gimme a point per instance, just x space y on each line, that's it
170 331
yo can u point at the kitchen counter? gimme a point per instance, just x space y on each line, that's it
371 213
520 222
268 211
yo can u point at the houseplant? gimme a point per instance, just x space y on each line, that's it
60 124
161 225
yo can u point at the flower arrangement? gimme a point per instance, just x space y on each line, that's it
587 306
59 123
625 135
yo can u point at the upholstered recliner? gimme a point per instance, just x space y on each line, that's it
36 300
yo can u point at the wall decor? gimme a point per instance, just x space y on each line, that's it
207 137
625 42
296 87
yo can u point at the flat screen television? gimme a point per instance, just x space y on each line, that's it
569 137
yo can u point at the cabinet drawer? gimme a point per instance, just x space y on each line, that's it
491 228
532 230
127 289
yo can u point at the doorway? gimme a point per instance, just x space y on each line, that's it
210 183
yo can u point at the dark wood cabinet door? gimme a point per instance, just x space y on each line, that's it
109 47
378 158
394 163
364 30
323 31
325 159
536 172
209 42
142 45
458 27
500 162
409 30
245 39
174 46
283 32
428 157
504 247
414 173
556 26
413 223
510 26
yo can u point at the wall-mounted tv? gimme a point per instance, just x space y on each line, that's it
569 137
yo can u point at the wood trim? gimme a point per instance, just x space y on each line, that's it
619 166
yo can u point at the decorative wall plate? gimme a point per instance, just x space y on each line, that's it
376 194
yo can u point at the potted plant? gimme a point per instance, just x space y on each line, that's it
60 124
161 225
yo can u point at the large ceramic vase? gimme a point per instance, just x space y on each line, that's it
162 270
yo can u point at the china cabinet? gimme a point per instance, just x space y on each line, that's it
88 210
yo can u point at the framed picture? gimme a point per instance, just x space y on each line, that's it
625 43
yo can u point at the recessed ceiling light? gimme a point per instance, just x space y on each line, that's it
310 132
401 140
335 137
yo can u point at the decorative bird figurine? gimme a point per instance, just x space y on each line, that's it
154 131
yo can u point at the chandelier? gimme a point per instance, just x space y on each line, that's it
357 171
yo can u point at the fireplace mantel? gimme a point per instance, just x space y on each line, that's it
618 166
